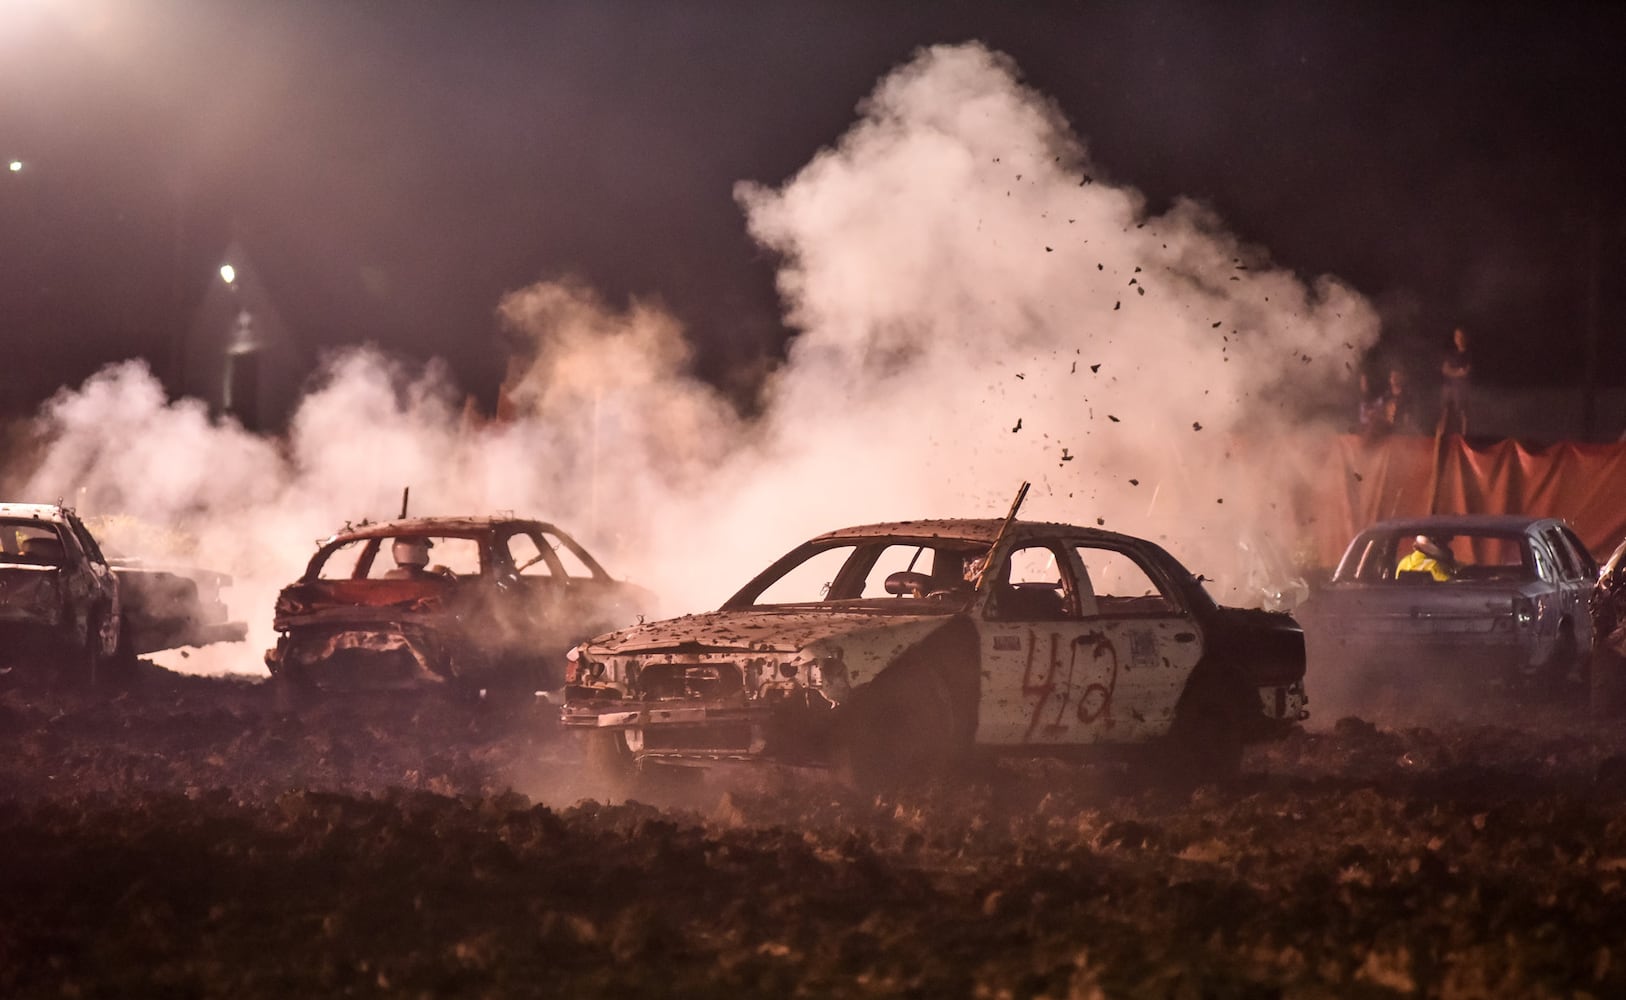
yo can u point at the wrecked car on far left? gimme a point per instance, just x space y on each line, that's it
58 597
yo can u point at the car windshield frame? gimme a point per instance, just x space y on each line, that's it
855 569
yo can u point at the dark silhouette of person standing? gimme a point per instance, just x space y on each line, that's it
1456 370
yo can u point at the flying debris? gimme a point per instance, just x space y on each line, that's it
1217 323
1196 426
1049 249
1066 456
1095 368
1112 418
1018 425
1134 482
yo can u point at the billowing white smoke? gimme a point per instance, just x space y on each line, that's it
971 309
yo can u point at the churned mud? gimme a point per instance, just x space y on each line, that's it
187 838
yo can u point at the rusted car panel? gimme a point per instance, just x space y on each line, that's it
1510 602
495 605
965 635
57 593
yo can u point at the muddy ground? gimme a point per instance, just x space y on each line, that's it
185 839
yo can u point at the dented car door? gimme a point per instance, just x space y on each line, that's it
1038 662
1082 644
1146 644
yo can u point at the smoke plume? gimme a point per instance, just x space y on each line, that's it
973 305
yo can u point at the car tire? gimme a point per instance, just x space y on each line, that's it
290 695
84 660
608 766
1205 743
1555 674
896 735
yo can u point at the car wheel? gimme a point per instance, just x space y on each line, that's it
1557 673
86 659
895 736
608 766
1205 743
121 668
290 694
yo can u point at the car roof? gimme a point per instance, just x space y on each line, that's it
981 531
436 526
38 511
1462 523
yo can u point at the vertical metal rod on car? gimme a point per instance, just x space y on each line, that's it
1004 529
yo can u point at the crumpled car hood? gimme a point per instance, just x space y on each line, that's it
768 631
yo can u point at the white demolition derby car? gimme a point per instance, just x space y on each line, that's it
892 651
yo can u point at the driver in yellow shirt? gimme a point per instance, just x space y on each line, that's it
1428 555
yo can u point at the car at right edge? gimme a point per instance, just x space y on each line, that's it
1498 599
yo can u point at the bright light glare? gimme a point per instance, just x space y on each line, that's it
15 166
228 274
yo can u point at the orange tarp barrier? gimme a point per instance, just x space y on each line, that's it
1358 481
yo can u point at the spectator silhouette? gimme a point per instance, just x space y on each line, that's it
1456 369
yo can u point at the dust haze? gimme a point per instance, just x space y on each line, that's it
974 303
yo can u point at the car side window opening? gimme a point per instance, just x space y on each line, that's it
571 560
530 557
1034 584
1547 567
35 543
343 562
1567 564
1122 586
809 581
448 556
1583 558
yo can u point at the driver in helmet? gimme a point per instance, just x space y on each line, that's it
411 559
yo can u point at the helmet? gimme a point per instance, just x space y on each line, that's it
1428 547
411 552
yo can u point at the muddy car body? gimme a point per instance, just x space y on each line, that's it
58 596
1514 607
887 648
501 601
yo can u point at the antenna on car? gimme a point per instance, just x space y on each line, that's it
406 491
1004 529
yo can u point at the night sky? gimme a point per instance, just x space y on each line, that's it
393 168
